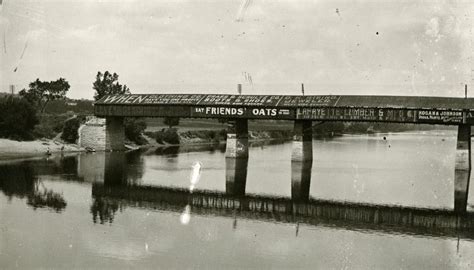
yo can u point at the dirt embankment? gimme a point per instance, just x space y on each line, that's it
10 149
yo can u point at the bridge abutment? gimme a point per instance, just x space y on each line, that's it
462 171
302 149
114 134
237 145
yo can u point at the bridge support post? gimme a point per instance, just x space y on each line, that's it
462 171
236 175
300 180
114 134
302 141
237 145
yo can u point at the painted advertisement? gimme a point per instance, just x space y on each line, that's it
388 115
230 112
237 100
151 99
356 114
222 100
308 101
437 116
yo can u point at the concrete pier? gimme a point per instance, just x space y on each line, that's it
237 145
300 180
114 134
302 141
462 170
236 176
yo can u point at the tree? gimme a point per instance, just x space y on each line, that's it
171 121
17 118
41 93
70 129
107 84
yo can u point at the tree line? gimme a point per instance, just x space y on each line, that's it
25 116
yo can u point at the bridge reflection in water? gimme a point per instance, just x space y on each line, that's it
116 193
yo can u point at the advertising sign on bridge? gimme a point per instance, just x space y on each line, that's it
222 100
437 116
357 114
242 112
388 115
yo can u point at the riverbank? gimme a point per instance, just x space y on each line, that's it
10 149
170 137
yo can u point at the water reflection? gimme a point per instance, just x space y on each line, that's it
66 166
236 175
104 210
353 216
300 180
174 150
171 151
20 180
118 183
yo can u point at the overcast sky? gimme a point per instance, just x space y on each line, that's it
334 47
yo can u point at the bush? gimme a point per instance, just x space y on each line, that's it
208 135
169 136
70 133
50 125
17 118
134 129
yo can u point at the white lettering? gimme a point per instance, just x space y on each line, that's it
110 99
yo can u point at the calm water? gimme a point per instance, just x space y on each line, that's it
133 210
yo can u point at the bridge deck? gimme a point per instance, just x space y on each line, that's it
407 102
404 109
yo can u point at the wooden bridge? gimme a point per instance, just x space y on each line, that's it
238 109
398 109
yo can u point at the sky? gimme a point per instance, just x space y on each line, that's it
270 46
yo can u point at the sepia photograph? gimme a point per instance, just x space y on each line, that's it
236 134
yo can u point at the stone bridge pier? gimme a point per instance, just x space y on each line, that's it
114 134
462 168
301 160
302 150
236 175
300 180
237 145
237 155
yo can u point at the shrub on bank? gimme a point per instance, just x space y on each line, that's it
70 131
17 118
207 135
165 136
133 130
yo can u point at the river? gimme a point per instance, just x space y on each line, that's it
134 210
